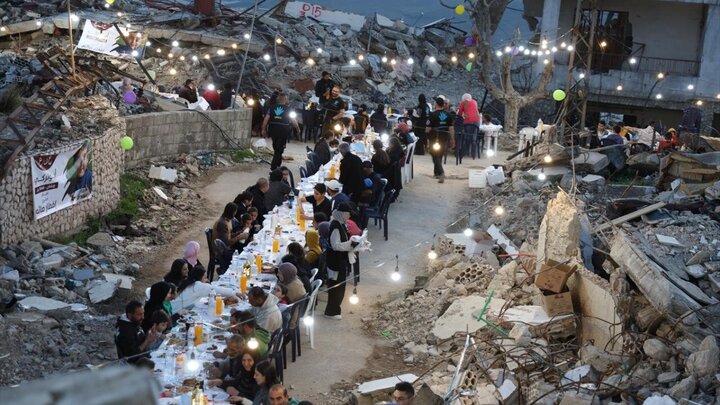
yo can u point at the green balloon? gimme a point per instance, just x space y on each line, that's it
126 143
558 95
468 67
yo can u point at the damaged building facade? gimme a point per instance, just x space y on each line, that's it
651 59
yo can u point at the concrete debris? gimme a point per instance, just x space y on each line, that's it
656 349
706 360
42 304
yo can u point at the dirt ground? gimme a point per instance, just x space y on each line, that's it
345 351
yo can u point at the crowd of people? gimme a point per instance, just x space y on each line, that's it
640 139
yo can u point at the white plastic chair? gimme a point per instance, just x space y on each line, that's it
313 274
406 170
308 318
147 293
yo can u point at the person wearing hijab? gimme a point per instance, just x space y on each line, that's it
160 294
419 119
380 159
192 250
338 260
178 271
287 275
195 287
324 233
243 385
312 240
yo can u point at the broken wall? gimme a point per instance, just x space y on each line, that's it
17 219
169 134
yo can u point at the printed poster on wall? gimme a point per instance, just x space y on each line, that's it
104 38
61 180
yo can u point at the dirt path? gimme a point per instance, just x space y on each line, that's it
342 347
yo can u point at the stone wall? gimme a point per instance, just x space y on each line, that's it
169 134
17 218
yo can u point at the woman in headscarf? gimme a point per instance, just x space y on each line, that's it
195 287
338 260
296 256
380 160
192 250
312 240
419 120
287 275
178 272
243 384
160 294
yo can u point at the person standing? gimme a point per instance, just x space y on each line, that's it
470 114
419 119
338 260
323 87
351 172
322 147
334 109
440 130
279 125
378 119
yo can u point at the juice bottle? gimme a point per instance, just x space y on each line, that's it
302 224
332 171
219 305
276 245
243 283
258 263
198 334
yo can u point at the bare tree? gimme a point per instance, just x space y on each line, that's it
496 75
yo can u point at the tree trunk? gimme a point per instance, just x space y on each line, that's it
512 115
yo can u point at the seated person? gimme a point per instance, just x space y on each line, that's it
297 252
404 393
380 159
248 329
235 374
279 396
319 202
178 272
265 309
278 190
314 250
131 342
378 119
161 294
613 139
373 186
224 237
322 147
668 143
253 212
161 322
195 287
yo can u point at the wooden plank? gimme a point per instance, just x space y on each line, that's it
636 214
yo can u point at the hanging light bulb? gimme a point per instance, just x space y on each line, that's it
471 55
354 299
384 137
534 52
432 254
432 59
410 61
250 102
134 54
658 96
547 159
619 87
75 17
563 45
508 49
127 26
581 75
361 57
699 103
38 23
175 44
498 53
207 56
319 51
541 176
107 5
308 320
170 55
633 61
148 43
545 61
547 52
234 46
393 61
246 36
395 276
158 50
253 344
603 44
384 59
310 61
468 232
661 76
544 44
691 87
499 210
278 41
292 115
453 59
266 57
570 48
436 145
718 96
337 127
554 49
211 87
352 62
173 71
119 14
182 57
490 153
526 52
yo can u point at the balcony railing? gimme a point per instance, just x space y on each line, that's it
635 61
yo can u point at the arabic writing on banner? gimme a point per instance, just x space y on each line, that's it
104 38
61 180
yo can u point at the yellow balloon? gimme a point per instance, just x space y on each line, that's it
460 9
110 1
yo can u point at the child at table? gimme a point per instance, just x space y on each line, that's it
256 226
281 291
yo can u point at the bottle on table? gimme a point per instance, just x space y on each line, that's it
259 263
243 283
219 305
198 334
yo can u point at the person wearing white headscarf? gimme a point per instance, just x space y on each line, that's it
339 256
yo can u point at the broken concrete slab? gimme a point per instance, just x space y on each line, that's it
125 282
591 162
103 291
669 241
696 271
42 304
51 262
163 173
684 389
385 383
706 360
101 239
656 349
459 316
83 274
559 233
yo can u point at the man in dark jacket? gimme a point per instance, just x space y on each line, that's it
189 91
323 87
278 190
130 339
322 147
351 173
258 192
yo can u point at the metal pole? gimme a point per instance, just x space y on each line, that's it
72 45
247 51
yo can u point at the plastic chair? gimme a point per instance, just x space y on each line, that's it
310 167
382 214
147 293
406 170
275 351
315 159
212 262
313 274
293 332
303 173
308 149
309 313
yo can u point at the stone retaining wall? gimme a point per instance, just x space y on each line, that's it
17 219
169 134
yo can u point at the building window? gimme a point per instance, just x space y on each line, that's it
613 38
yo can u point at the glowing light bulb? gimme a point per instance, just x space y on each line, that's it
278 41
521 48
547 52
75 18
436 146
361 57
134 54
395 276
498 54
337 127
182 57
468 232
353 62
128 26
393 62
308 320
526 52
718 96
563 45
319 50
633 61
119 14
266 57
148 43
471 55
250 102
211 87
699 103
499 210
581 75
545 61
570 48
619 87
175 44
453 59
234 46
384 59
490 153
38 23
207 56
410 61
253 344
547 159
310 61
661 75
173 71
107 5
508 49
554 49
246 36
432 59
658 96
543 44
193 365
354 299
691 87
170 55
158 50
534 52
432 255
603 44
293 115
541 176
221 52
